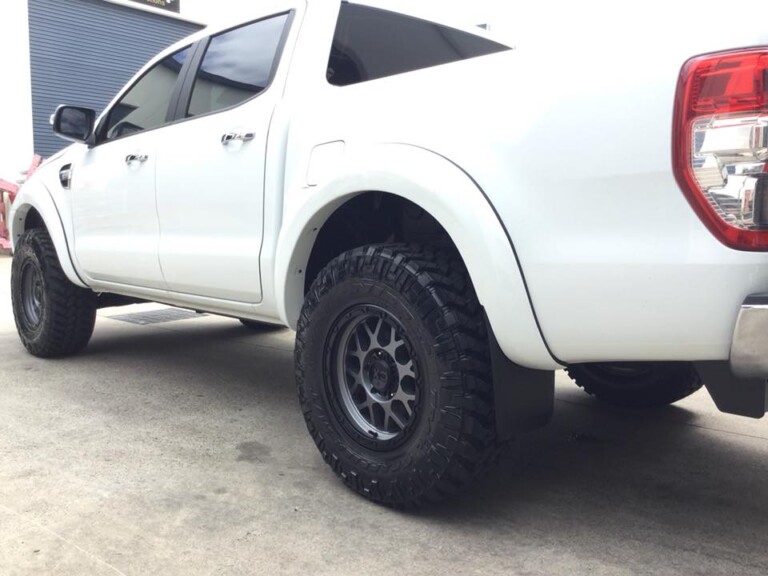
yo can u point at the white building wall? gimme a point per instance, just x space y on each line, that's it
15 90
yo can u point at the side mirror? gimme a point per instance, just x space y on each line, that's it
74 123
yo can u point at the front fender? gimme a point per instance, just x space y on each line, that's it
35 195
455 201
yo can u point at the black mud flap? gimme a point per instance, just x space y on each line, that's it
524 398
733 395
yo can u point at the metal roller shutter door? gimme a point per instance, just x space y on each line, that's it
83 51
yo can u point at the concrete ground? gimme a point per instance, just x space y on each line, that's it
178 448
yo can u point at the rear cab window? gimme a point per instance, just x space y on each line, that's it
371 43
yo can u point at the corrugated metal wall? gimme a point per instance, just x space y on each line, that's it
84 51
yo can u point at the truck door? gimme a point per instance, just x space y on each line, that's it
210 173
113 186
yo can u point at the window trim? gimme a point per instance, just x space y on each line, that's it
102 126
185 95
194 60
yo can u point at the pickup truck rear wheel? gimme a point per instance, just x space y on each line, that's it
394 376
637 384
53 316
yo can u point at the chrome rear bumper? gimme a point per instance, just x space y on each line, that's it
749 347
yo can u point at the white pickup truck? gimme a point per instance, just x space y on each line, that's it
443 219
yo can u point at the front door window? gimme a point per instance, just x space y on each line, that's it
145 105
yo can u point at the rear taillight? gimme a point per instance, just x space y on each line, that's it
720 144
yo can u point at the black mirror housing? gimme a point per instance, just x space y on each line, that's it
74 123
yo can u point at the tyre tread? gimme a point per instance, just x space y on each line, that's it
70 316
466 445
666 383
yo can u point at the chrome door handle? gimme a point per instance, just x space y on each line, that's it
136 158
242 137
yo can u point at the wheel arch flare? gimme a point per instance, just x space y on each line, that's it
455 201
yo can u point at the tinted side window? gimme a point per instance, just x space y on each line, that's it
370 43
238 64
145 105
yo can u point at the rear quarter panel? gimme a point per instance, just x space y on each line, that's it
569 136
578 163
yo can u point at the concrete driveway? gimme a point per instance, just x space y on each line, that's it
178 448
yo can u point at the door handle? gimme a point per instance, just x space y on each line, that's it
136 158
233 136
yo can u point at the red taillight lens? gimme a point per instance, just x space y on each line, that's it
728 83
720 144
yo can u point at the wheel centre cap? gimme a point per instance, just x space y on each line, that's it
379 371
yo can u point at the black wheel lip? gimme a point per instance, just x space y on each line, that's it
32 306
332 386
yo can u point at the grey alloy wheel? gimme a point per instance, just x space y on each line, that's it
375 373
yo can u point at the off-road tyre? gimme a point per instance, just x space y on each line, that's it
54 317
424 298
637 384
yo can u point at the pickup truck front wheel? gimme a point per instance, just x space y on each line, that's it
637 384
53 316
394 376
